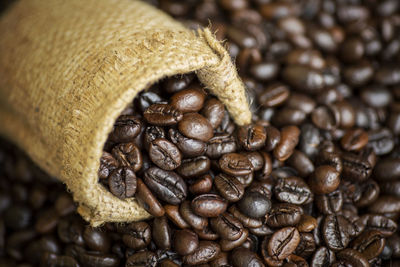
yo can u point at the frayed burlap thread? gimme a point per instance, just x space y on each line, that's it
68 69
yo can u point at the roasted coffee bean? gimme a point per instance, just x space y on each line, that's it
168 263
244 219
309 140
330 203
128 154
126 128
146 99
227 245
142 258
326 117
220 145
202 185
256 159
254 205
354 140
107 165
194 220
162 115
220 260
188 146
323 257
307 223
213 111
335 231
207 234
251 137
229 187
206 252
185 242
137 235
122 182
172 212
284 214
388 169
152 133
273 138
188 100
303 165
245 257
384 225
288 141
147 200
351 257
366 194
355 167
301 102
304 78
96 240
330 158
178 82
369 243
209 205
195 126
274 95
324 180
381 141
385 204
165 154
194 167
283 242
167 185
288 116
161 233
306 247
293 190
227 226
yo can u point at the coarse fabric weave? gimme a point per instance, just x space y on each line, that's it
69 67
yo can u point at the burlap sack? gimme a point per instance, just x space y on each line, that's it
69 67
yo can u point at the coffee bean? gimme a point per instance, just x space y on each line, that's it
293 190
283 242
330 203
273 138
303 165
167 185
185 242
229 187
147 200
351 257
244 219
220 145
323 257
235 164
137 235
188 100
146 99
245 257
165 154
370 244
202 185
227 226
189 147
254 205
161 233
162 115
307 223
194 220
194 167
251 137
306 247
206 252
207 234
227 245
303 78
288 141
385 204
209 205
126 128
381 141
354 140
178 82
122 182
142 258
284 214
107 165
213 111
326 117
96 240
128 154
335 232
388 169
274 95
355 167
324 180
195 126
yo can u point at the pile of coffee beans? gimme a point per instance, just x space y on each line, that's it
314 180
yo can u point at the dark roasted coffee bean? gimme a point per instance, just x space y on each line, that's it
167 263
185 242
303 165
358 74
273 138
128 154
256 159
96 240
126 128
385 204
235 164
165 154
354 140
219 145
293 190
284 214
330 158
227 226
107 165
213 111
172 212
288 116
177 83
152 133
206 252
326 117
122 182
162 115
283 242
369 243
142 258
137 235
306 224
47 221
367 193
288 141
161 233
330 203
220 260
244 257
209 205
188 146
167 185
227 245
195 126
147 200
335 231
229 187
194 167
146 99
388 169
207 234
381 141
388 75
188 100
324 180
352 49
51 259
351 257
309 140
202 185
244 219
264 71
306 247
304 78
301 102
355 167
194 220
274 95
251 137
323 256
254 205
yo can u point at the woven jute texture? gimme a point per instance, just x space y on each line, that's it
69 67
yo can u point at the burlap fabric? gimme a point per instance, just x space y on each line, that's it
69 67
